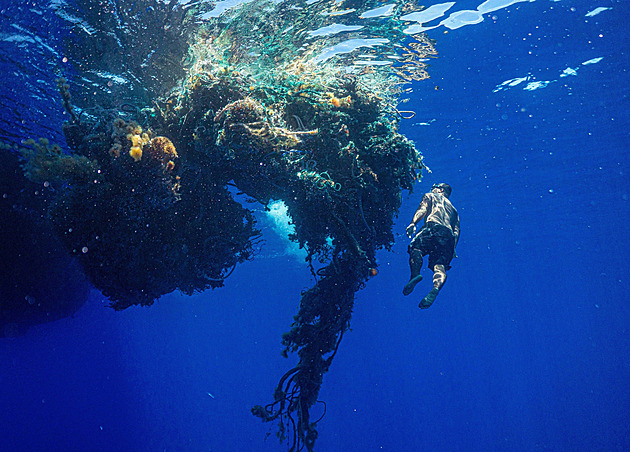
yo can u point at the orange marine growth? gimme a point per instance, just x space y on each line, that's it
162 149
343 102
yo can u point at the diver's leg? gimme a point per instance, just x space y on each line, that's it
415 264
439 278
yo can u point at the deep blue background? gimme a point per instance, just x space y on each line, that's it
526 348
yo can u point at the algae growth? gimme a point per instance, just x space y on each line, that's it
277 99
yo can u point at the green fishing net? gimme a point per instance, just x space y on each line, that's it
295 101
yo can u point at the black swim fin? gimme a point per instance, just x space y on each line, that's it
429 299
411 284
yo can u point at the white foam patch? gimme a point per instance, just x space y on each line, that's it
338 13
427 15
383 11
427 123
596 11
278 214
461 18
222 7
495 5
569 71
593 61
531 86
534 85
348 46
414 29
509 83
457 19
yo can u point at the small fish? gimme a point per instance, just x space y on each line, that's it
211 395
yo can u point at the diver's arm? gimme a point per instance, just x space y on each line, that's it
422 210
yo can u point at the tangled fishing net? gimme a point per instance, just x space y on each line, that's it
280 101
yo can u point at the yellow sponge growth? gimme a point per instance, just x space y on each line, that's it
136 144
136 153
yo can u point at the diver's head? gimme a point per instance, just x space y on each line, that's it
443 188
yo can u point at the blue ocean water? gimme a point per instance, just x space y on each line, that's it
527 346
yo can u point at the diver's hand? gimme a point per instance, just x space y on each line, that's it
411 230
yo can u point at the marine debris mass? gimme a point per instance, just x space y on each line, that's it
276 100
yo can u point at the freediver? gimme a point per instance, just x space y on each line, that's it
438 238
